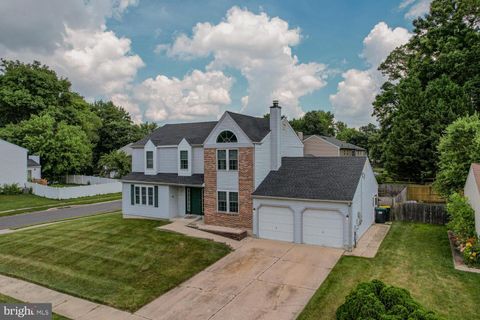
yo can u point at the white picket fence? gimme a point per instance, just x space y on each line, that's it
97 186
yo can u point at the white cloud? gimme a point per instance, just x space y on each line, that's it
353 101
198 95
261 48
71 37
416 8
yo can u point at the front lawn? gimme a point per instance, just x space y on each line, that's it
7 299
416 257
124 263
28 202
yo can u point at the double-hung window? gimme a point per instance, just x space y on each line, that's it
184 159
150 196
149 159
227 201
144 195
227 159
137 195
222 159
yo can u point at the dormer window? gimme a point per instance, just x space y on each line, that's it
226 137
149 157
184 159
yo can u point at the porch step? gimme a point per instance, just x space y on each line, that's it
232 233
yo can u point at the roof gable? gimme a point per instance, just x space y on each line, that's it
255 128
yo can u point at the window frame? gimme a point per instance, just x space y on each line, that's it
184 162
144 192
228 202
227 160
147 152
233 138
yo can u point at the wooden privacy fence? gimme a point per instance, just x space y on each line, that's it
423 193
420 212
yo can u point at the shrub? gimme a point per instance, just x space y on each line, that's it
462 218
375 300
11 189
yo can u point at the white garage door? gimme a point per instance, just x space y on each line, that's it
323 228
275 223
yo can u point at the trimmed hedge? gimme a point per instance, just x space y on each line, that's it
377 301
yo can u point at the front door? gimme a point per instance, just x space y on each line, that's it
194 199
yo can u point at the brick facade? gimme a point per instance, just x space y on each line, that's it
245 188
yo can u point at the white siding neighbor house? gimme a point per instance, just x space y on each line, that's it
472 193
250 173
13 164
34 169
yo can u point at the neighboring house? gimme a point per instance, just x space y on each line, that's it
127 149
34 169
472 192
250 173
323 146
13 163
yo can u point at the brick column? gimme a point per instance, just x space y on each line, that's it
244 217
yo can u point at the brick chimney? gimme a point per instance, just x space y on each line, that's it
275 131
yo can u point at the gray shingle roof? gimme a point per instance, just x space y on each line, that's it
196 132
318 178
172 134
339 143
32 163
165 178
255 128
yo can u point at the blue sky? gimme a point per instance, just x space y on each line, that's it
333 32
147 57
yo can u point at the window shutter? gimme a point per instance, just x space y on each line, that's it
156 196
132 194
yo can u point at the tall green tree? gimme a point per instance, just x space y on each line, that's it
116 162
63 148
315 122
458 148
27 89
432 80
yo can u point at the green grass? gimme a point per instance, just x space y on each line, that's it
7 299
124 263
416 257
22 203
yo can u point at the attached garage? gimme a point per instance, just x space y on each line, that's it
275 223
323 227
326 201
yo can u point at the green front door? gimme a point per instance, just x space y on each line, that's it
194 199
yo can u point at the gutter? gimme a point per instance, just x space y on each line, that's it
165 183
348 202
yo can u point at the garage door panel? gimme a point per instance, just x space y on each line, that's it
275 223
323 227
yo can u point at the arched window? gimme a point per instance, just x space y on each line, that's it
226 137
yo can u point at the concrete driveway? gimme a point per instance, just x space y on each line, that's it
262 279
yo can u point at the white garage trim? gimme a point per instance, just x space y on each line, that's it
287 226
335 239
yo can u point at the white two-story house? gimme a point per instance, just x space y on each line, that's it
250 173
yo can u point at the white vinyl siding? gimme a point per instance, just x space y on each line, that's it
167 160
262 160
197 160
13 164
290 144
138 159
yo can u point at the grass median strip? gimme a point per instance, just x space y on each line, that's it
23 203
124 263
416 257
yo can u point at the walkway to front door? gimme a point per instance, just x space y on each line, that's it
194 200
262 279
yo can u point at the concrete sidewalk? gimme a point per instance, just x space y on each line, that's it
63 304
370 242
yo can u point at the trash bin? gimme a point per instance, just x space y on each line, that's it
380 215
387 213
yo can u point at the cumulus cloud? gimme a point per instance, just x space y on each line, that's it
198 95
261 48
353 101
71 37
415 8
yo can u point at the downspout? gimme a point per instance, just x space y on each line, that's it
350 227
